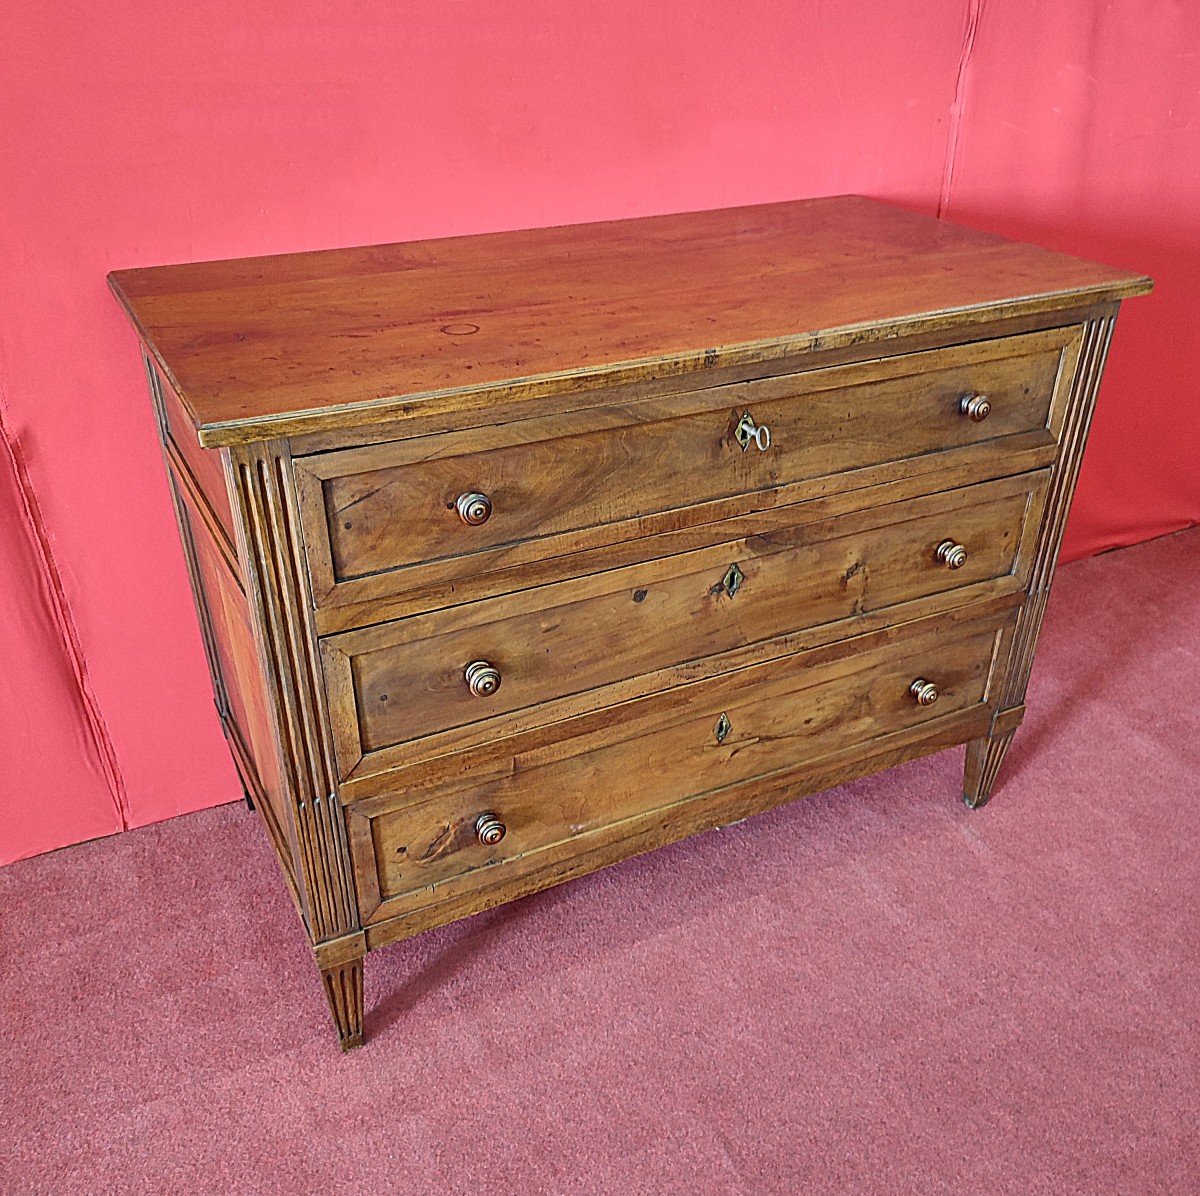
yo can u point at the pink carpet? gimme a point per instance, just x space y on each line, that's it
874 990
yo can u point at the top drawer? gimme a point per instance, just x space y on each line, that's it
389 517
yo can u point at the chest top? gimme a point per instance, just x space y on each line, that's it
272 346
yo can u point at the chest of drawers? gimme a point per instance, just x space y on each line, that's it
516 555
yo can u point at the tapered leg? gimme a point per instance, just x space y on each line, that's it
344 992
984 757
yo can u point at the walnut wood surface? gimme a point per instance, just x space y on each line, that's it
392 684
560 484
593 726
201 471
344 991
279 345
764 513
244 704
648 831
781 712
271 554
589 380
205 520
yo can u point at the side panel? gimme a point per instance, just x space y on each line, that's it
205 521
241 697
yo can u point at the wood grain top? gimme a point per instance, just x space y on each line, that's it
272 346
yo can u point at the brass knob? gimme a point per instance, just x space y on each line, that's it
975 407
749 432
474 508
924 691
953 556
489 830
482 679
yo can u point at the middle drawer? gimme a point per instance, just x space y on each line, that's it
504 664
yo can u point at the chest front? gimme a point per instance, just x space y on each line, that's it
471 640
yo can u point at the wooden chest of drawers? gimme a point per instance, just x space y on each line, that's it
519 554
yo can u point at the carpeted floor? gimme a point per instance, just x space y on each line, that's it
874 990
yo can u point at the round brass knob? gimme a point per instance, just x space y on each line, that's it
953 556
924 691
474 508
975 407
482 678
489 830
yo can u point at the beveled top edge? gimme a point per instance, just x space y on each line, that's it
387 410
261 348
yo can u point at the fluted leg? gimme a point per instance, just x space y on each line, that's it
344 992
984 757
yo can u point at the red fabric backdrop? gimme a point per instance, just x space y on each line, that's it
136 134
1081 129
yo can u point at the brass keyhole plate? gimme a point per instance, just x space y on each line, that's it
744 431
723 727
732 581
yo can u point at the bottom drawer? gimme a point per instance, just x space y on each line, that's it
556 798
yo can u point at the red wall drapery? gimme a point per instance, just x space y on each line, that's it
136 134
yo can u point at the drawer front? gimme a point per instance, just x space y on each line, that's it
396 683
383 517
766 720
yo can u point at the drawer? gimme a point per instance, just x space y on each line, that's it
560 799
382 518
662 621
